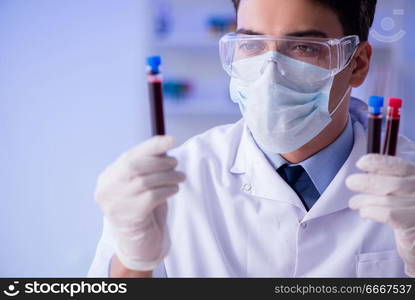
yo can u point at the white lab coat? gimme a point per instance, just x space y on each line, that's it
236 217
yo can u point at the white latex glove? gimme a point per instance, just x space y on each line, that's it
388 196
132 193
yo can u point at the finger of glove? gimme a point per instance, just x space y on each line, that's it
143 183
160 214
386 165
155 197
157 145
131 213
363 200
151 164
399 218
122 172
382 185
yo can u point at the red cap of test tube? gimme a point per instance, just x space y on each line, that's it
395 102
394 107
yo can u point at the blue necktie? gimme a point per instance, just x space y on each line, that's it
298 179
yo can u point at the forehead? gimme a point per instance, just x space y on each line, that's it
279 17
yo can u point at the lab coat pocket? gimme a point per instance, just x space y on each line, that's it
379 264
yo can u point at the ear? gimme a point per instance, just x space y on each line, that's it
360 64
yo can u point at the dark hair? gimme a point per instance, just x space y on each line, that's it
356 16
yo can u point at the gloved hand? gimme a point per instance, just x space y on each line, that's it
388 196
132 193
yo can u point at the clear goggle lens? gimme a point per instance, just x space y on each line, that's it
291 55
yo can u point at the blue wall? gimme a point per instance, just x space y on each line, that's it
71 99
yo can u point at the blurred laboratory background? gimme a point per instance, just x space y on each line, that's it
73 96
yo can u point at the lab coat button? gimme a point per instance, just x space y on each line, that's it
303 225
247 188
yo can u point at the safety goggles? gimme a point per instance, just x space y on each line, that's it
245 57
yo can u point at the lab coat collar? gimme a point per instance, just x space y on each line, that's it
240 163
264 181
336 196
259 175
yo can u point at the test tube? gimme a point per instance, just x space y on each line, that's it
155 88
375 124
392 126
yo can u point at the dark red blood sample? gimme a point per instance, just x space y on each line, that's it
374 133
391 141
392 126
155 88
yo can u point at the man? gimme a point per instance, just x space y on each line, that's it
267 196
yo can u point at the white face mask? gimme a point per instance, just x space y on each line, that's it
283 111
